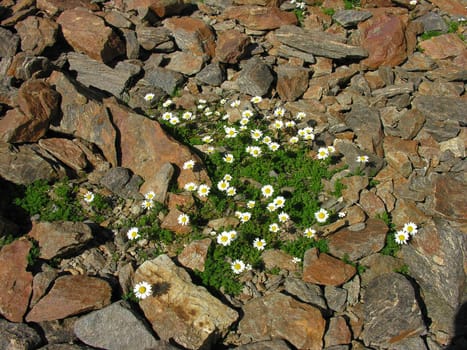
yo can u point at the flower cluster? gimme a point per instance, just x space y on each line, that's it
402 236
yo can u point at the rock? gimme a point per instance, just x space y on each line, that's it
231 46
103 329
161 8
122 182
9 43
452 7
52 7
358 244
255 78
171 223
350 18
60 238
383 37
265 345
26 66
292 82
164 79
277 258
84 117
41 283
145 148
213 74
92 73
193 256
162 181
70 295
324 269
65 151
269 318
318 43
38 105
335 298
179 310
353 185
151 37
260 18
185 63
131 44
307 292
372 203
15 280
410 124
65 347
432 21
443 46
87 33
24 165
37 34
18 336
338 332
394 90
392 313
193 36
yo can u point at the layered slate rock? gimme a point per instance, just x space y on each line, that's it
103 329
292 82
122 182
145 148
66 151
259 17
255 78
391 312
16 282
60 238
71 295
277 316
87 33
358 244
179 310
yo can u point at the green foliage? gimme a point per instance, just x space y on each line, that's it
351 4
35 197
329 11
360 268
338 187
5 240
33 254
430 34
391 247
300 14
130 296
404 269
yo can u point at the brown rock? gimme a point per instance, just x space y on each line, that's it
184 201
377 265
145 147
185 63
260 18
353 186
194 255
326 270
71 295
66 151
38 104
292 82
41 283
358 244
87 33
407 211
338 332
16 282
60 238
52 7
231 46
170 222
453 7
270 317
372 204
443 46
376 3
384 39
192 35
162 8
449 197
273 258
37 34
411 123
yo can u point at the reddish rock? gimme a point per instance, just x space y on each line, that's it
407 211
52 7
194 254
170 222
443 46
71 295
184 201
16 282
162 8
87 33
358 244
38 104
192 35
270 317
449 195
338 332
274 258
453 7
145 147
41 283
353 186
376 3
372 204
37 34
60 238
66 151
231 46
184 62
260 18
383 36
325 270
292 82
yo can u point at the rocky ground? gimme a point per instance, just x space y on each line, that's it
385 79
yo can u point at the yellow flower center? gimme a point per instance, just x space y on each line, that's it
321 215
142 289
401 238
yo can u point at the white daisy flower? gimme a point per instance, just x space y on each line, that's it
189 164
235 103
323 153
279 201
243 122
267 140
254 151
289 124
209 150
238 266
401 237
187 115
259 243
247 113
331 149
271 207
223 185
147 204
321 215
228 158
149 97
231 191
227 177
296 260
309 137
342 214
411 228
309 233
133 233
273 146
190 186
223 101
142 290
267 190
167 103
203 190
293 139
183 219
174 120
256 99
300 115
88 197
167 116
256 134
230 132
274 228
278 124
362 159
279 112
250 204
224 239
207 139
283 217
244 217
232 234
150 195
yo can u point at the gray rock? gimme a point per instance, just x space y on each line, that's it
391 312
98 75
306 292
255 78
265 345
105 329
353 290
394 90
409 344
335 298
213 74
59 332
65 347
350 18
318 43
164 79
287 51
432 21
18 336
122 182
162 181
150 37
9 43
131 44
